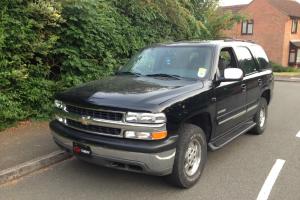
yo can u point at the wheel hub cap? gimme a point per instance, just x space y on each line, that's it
262 117
192 158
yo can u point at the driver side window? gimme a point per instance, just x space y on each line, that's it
226 60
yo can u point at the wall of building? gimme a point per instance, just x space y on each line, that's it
287 38
269 29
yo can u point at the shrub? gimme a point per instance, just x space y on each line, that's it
26 40
279 68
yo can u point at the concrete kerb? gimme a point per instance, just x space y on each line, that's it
32 166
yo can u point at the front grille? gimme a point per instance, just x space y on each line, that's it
107 115
93 128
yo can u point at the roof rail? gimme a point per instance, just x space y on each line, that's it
189 40
225 39
238 40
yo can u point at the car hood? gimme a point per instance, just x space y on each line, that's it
128 92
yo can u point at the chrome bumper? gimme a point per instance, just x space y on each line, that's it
159 164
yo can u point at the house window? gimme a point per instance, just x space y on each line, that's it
292 58
247 27
294 26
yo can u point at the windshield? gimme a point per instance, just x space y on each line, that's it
184 62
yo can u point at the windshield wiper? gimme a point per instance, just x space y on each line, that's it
165 75
129 73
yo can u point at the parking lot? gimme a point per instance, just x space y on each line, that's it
236 172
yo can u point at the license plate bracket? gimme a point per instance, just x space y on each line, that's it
81 149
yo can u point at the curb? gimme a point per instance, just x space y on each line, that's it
288 79
31 166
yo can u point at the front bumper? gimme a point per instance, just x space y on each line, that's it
158 163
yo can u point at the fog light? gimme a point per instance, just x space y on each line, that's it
130 134
138 135
145 135
60 119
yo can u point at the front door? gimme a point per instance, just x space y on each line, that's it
230 96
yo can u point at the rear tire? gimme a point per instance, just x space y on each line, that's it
191 156
260 118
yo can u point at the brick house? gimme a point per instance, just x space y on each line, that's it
274 25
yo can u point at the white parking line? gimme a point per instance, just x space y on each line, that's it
269 182
298 134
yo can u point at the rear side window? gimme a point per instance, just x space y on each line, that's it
246 60
261 57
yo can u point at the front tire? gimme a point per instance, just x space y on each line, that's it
261 117
190 158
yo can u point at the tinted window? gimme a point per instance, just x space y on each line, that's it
261 56
246 60
187 62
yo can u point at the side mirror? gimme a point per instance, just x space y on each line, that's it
232 74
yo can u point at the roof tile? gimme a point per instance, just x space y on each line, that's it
289 7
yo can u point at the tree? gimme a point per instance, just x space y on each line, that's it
210 17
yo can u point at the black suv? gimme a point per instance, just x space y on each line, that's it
162 111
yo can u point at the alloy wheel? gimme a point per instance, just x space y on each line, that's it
192 157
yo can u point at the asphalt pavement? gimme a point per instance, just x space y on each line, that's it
236 172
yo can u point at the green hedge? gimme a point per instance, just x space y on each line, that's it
47 46
279 68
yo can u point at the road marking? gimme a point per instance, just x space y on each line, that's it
269 182
298 134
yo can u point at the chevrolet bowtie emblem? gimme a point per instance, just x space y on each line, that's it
85 120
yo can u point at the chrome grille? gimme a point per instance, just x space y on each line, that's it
99 114
93 128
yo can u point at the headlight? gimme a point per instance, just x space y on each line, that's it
59 104
145 118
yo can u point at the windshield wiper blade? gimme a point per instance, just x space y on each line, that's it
165 75
129 73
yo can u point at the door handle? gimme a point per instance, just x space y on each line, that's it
259 82
244 87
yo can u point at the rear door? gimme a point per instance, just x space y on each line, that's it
252 79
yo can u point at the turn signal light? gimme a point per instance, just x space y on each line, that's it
159 135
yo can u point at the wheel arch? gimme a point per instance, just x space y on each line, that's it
267 95
204 121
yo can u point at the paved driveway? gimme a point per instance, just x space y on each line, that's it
236 172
